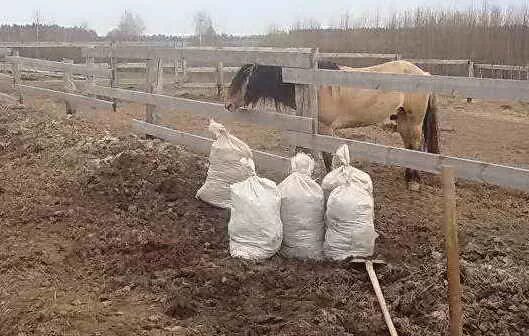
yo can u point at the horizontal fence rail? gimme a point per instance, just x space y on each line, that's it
297 58
510 177
502 67
207 109
71 97
81 44
501 89
60 66
202 145
134 66
357 55
439 61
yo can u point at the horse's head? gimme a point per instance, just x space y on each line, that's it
254 82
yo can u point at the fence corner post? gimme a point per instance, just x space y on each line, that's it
152 85
69 84
17 76
90 77
452 252
114 80
470 75
220 81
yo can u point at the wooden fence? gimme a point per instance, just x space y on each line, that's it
300 68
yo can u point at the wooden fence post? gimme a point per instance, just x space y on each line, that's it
183 78
90 78
471 75
220 80
114 81
452 252
17 77
307 102
152 85
69 85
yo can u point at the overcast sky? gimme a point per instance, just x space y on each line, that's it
232 17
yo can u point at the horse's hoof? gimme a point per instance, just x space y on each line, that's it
414 186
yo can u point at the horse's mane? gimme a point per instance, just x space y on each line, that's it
265 82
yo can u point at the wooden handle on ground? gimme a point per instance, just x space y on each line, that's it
380 297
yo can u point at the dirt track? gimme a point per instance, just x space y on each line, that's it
100 234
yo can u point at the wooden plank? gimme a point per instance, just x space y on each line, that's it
501 67
510 177
209 110
438 61
73 98
269 56
452 86
200 85
202 145
143 66
82 44
59 66
356 55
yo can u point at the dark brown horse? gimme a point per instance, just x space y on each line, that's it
415 114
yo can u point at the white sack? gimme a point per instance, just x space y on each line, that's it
350 221
342 171
225 167
302 209
255 227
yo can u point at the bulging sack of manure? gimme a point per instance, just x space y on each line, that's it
302 210
349 219
225 166
255 227
343 171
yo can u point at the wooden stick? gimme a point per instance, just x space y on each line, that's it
382 302
452 252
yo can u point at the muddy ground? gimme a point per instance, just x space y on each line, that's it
100 234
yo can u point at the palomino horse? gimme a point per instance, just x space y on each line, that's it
415 114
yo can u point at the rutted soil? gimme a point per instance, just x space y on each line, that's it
100 234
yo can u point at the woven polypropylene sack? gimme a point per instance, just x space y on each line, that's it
302 210
349 220
343 171
225 167
255 227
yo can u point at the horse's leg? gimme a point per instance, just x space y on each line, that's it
327 157
410 132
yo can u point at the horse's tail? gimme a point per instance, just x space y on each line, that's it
430 127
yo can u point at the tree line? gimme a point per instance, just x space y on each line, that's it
488 34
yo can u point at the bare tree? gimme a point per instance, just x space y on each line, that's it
131 27
204 30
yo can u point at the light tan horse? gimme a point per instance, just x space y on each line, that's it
346 107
